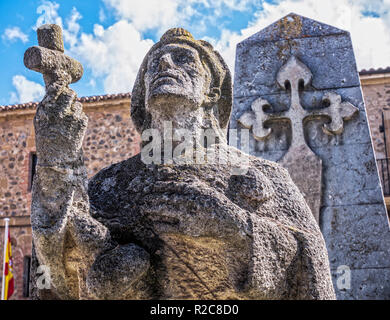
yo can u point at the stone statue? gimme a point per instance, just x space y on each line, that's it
171 230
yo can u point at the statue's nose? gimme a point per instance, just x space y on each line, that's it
165 62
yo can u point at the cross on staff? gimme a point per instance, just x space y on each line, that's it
58 69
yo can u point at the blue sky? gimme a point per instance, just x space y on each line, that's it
111 37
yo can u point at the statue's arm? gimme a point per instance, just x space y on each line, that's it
68 241
290 257
288 263
83 260
64 233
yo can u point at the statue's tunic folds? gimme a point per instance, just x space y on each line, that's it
212 234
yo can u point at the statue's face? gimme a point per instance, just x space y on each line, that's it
175 74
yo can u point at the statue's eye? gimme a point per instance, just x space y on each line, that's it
180 58
183 58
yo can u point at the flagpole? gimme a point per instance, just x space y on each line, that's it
6 220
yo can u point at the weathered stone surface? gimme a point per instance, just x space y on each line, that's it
50 36
171 230
186 207
363 184
369 284
294 27
355 131
353 217
365 252
250 79
295 76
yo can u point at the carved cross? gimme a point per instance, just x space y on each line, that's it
48 58
304 166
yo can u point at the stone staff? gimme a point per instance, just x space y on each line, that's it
67 240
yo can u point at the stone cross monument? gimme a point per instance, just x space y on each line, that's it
297 88
299 157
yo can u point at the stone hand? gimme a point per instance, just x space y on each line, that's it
67 239
195 210
60 127
59 122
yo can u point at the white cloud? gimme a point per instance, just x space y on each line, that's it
151 14
102 15
48 14
14 33
226 45
92 83
72 27
370 35
162 15
114 53
221 6
26 90
371 51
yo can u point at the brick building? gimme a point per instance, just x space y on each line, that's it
110 138
376 91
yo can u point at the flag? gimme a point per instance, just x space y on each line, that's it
8 270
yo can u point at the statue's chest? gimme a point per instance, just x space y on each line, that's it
166 213
167 195
129 203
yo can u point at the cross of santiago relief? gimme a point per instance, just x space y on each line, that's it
304 166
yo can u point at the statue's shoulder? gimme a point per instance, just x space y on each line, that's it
270 184
270 169
108 181
267 168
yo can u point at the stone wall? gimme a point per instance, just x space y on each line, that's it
110 138
376 91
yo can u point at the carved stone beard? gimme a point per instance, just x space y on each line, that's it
192 112
181 110
181 113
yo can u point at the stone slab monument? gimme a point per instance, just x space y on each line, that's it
236 228
297 89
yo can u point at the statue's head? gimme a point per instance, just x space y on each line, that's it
181 74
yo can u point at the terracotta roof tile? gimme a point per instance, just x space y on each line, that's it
374 71
32 105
